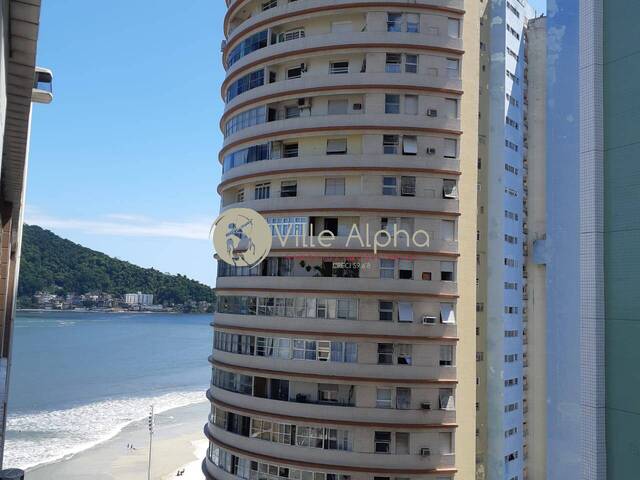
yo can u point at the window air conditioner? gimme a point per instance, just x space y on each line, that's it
432 112
431 151
429 320
425 452
425 405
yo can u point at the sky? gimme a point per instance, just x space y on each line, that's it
124 161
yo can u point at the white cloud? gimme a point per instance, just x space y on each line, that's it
125 225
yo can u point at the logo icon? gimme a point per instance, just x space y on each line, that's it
241 237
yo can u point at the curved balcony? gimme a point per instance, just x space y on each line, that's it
345 459
378 417
318 125
366 329
365 286
332 42
361 202
366 371
341 42
291 9
345 163
348 83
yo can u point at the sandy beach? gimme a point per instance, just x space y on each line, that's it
178 443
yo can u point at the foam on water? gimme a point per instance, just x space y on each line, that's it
48 436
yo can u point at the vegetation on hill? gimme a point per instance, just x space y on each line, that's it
53 264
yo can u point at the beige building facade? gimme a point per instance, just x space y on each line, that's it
338 362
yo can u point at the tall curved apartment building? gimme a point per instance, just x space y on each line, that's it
338 363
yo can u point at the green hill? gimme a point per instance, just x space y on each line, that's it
56 265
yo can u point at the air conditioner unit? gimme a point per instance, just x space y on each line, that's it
425 452
357 106
429 320
431 151
425 405
432 112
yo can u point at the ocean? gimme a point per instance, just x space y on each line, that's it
78 378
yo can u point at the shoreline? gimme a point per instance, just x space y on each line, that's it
177 443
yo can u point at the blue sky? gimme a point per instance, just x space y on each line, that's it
124 160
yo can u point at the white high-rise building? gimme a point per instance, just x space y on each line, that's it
502 241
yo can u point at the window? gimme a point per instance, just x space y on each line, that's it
405 312
240 195
453 68
408 186
334 186
290 150
327 393
446 271
403 354
291 35
337 146
448 230
394 22
451 107
411 104
393 63
385 354
387 268
338 67
338 107
405 269
295 72
446 443
447 314
402 443
341 27
411 63
246 119
382 442
390 144
445 399
450 148
294 226
389 186
269 4
383 398
413 23
449 189
262 191
409 145
385 311
250 44
248 82
391 103
403 398
291 111
446 355
289 188
454 27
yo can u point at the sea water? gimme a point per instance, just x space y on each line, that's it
78 378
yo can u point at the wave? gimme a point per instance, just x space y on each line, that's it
48 436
